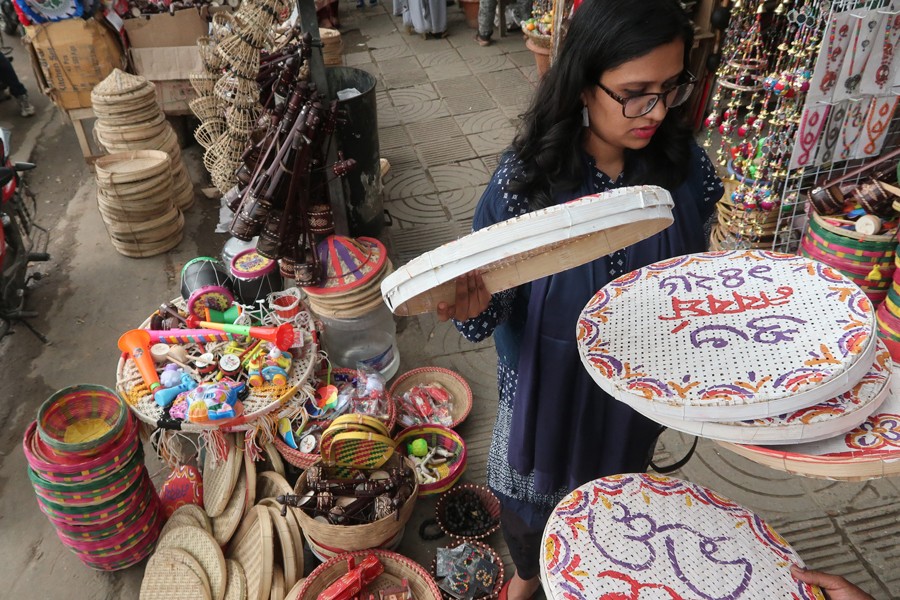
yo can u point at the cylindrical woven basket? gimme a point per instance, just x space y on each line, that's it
495 558
357 537
452 381
446 438
396 569
488 500
74 405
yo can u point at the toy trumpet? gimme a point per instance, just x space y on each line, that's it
137 343
188 336
282 336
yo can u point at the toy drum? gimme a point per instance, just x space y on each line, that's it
205 283
254 276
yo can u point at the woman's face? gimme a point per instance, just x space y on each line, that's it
657 71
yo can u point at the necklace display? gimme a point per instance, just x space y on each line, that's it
759 117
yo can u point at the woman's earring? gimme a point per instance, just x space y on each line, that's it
585 118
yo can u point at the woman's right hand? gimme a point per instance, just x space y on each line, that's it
834 586
472 299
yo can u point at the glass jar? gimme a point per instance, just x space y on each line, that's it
370 340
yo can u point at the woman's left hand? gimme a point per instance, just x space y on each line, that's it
472 299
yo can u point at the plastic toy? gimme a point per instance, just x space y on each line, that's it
166 396
355 580
282 336
273 367
137 343
208 402
418 447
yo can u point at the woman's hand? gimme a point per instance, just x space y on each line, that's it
472 299
835 587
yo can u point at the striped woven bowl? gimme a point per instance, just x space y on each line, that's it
436 435
81 419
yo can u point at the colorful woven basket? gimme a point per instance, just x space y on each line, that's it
454 383
396 569
81 419
446 438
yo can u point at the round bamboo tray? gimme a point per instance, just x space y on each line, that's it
127 167
358 537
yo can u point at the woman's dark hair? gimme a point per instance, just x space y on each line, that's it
602 35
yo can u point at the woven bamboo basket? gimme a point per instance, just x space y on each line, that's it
396 569
209 132
252 22
358 537
206 47
242 121
495 558
66 413
237 90
435 435
454 383
204 83
206 107
222 24
128 167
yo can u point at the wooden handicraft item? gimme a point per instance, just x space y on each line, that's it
729 336
870 451
630 536
532 246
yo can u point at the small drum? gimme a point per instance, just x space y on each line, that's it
255 276
205 283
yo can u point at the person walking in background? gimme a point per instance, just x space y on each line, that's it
521 11
603 117
14 87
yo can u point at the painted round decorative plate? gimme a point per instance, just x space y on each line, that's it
820 422
645 536
531 246
870 451
727 336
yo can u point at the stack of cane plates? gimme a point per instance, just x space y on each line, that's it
134 194
332 47
241 546
770 339
354 270
129 118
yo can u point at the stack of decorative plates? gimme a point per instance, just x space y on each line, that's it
354 269
332 47
737 227
134 194
659 537
129 118
738 346
263 551
86 465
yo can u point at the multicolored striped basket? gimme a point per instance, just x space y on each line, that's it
86 465
436 435
80 419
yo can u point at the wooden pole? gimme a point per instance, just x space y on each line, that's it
309 23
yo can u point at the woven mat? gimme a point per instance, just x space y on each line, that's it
273 460
173 574
201 519
285 552
203 547
252 548
227 523
219 479
176 521
277 591
250 487
270 484
294 529
236 586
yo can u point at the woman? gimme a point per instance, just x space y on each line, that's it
604 116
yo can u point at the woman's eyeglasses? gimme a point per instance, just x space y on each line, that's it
638 106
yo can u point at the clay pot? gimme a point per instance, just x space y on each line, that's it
541 56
